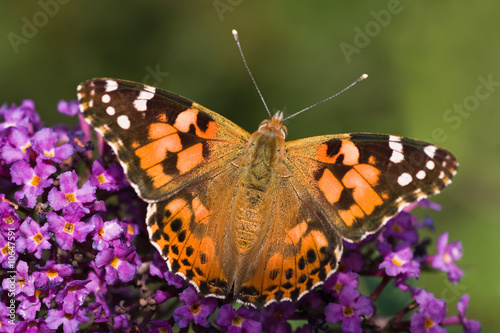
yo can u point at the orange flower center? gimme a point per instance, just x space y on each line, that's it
348 311
35 180
52 273
69 227
38 238
101 179
115 262
428 323
70 197
398 262
237 320
195 308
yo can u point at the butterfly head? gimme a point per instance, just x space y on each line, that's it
275 124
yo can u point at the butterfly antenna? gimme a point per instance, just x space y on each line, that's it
237 39
361 78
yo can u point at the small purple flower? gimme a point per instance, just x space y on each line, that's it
30 305
70 194
72 296
37 238
470 326
401 227
241 320
70 108
20 116
120 322
8 253
159 326
9 220
446 257
68 227
276 316
195 308
159 268
23 279
430 313
335 283
352 261
352 306
44 144
8 323
35 180
120 263
51 274
104 232
70 322
110 180
33 326
17 147
398 262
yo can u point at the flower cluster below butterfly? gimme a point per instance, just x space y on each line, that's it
250 216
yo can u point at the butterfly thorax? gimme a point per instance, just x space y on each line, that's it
262 168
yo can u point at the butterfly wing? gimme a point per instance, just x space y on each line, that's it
300 251
362 180
177 155
163 141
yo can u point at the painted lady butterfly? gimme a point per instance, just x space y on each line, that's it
250 214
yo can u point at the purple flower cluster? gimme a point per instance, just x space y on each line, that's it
73 258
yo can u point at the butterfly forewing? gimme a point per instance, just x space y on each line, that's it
162 140
361 180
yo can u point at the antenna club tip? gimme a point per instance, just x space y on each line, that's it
364 76
235 34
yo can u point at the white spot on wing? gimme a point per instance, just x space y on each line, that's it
430 165
146 94
405 179
111 85
420 174
140 104
430 151
82 108
397 149
123 122
105 98
110 110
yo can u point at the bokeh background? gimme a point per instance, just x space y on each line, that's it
434 75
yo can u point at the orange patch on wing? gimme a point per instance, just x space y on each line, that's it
179 210
160 130
189 117
189 158
200 211
319 238
296 233
372 160
370 173
330 186
364 195
156 151
347 148
273 270
158 176
350 215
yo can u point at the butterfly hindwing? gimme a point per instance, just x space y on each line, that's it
162 140
361 180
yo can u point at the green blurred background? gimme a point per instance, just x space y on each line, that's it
429 63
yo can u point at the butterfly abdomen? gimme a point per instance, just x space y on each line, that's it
261 170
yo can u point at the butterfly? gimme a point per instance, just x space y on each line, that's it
251 216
